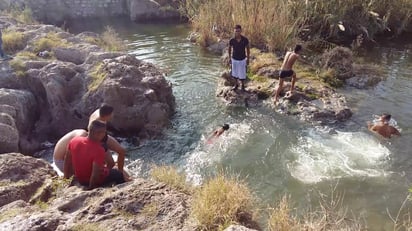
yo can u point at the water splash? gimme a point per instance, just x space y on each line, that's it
207 155
321 156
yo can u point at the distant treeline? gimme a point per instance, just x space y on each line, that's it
275 24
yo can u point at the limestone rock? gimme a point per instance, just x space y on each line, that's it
141 96
9 138
70 55
144 10
21 176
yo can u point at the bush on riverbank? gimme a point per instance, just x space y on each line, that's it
171 177
223 201
276 24
13 41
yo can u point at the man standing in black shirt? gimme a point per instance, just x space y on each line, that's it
240 58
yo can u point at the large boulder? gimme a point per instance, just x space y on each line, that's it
137 205
140 94
19 110
21 177
145 10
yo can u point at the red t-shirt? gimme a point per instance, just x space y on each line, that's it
84 152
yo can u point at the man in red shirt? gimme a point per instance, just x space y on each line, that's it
86 157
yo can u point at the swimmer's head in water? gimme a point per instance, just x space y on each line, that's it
225 127
386 117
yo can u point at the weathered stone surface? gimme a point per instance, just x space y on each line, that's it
141 96
21 176
137 205
72 55
144 10
9 138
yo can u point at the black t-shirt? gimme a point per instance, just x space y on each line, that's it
239 47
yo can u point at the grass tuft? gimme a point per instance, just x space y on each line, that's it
48 42
13 41
111 41
98 75
170 176
19 67
88 227
222 201
281 218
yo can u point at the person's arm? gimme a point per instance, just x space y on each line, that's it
230 51
94 178
395 131
68 166
247 54
115 146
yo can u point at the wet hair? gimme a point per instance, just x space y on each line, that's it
298 47
96 125
225 127
238 27
105 110
386 117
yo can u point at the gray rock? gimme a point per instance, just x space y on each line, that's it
70 55
9 138
145 10
21 176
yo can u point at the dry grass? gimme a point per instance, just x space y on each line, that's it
19 67
98 75
276 24
88 227
48 42
13 41
281 218
331 215
170 176
222 201
111 41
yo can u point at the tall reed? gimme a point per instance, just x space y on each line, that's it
275 24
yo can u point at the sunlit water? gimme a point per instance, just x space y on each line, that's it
277 154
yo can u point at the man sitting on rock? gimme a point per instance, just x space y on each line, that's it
383 128
86 158
104 114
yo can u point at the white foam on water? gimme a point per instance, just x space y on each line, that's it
208 154
321 156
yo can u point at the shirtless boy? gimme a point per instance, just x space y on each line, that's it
105 114
287 71
61 147
383 128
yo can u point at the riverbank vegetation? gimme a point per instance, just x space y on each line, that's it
275 25
224 200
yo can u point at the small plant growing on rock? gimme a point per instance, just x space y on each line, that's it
98 74
222 201
87 227
13 41
170 176
48 42
19 67
111 41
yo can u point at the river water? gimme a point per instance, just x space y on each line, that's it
277 154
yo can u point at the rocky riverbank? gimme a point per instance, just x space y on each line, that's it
32 197
316 98
56 79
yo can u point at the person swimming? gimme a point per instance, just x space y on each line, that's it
383 127
217 133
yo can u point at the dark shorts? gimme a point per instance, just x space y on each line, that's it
285 74
114 177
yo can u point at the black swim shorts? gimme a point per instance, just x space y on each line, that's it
285 74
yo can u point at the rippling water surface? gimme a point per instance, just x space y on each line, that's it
276 153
